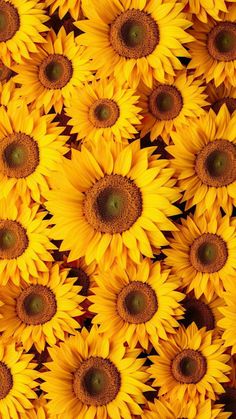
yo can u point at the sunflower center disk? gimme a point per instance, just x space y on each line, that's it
137 302
165 102
55 71
6 381
112 204
13 239
208 253
19 155
36 305
96 381
215 163
199 312
229 101
9 21
134 34
221 41
83 279
104 113
189 366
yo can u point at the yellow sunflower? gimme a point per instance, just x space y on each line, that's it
93 377
167 107
136 304
205 162
41 312
228 321
17 377
142 39
116 199
65 6
24 242
162 409
31 147
53 72
214 50
103 109
21 24
217 96
191 366
202 253
203 312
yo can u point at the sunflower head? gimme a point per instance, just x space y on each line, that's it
191 360
142 39
99 371
44 309
205 163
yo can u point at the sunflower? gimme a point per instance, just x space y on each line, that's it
17 377
53 72
39 410
215 48
162 409
24 242
202 253
202 312
205 163
41 312
136 304
228 321
21 24
93 377
191 366
31 147
116 199
103 108
65 6
167 107
142 39
217 96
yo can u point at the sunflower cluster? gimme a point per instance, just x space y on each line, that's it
117 209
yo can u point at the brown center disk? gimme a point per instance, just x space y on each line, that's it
104 113
97 381
19 155
165 102
208 253
5 72
6 381
189 366
83 280
112 204
228 399
55 71
199 312
215 163
221 41
134 34
36 304
229 101
9 21
137 302
13 239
